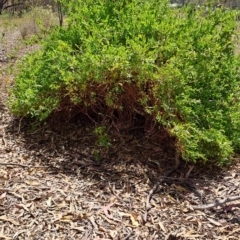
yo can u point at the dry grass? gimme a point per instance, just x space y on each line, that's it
237 49
36 22
14 30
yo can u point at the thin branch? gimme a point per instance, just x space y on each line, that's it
215 203
155 187
12 5
14 164
60 13
5 190
189 171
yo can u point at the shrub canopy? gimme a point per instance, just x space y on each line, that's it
176 65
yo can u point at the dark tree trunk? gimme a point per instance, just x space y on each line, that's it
2 3
60 13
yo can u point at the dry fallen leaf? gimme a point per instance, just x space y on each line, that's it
161 226
106 210
179 188
33 183
62 204
72 207
18 233
113 234
17 196
49 202
133 217
234 231
191 235
79 229
3 195
61 191
20 205
214 222
6 219
4 237
67 218
93 222
108 220
199 226
3 174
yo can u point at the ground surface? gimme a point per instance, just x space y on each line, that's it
52 187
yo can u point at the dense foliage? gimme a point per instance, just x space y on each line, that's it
176 65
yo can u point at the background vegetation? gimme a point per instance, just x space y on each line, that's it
120 61
21 6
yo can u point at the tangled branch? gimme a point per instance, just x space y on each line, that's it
216 203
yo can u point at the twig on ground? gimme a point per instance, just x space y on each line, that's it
189 171
4 141
19 126
5 189
215 203
155 187
14 164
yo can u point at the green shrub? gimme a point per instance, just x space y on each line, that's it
176 65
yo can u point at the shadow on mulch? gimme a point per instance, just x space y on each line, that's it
70 148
